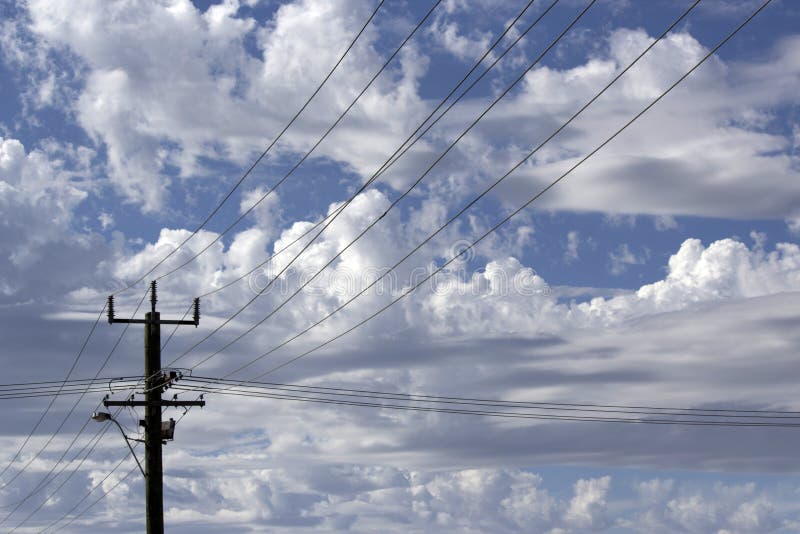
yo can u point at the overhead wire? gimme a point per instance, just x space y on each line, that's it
258 159
473 401
696 421
53 400
719 45
87 454
405 145
205 221
53 383
263 154
454 217
408 146
47 479
319 141
528 202
59 393
374 222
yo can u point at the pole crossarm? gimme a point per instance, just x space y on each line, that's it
145 321
112 319
176 321
164 403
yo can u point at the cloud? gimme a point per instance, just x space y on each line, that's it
713 325
361 497
587 508
449 36
504 296
142 107
719 329
684 157
41 249
665 222
794 225
106 220
145 117
622 258
267 212
573 242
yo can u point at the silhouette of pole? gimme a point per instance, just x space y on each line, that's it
155 382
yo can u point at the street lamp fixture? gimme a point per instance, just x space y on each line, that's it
101 417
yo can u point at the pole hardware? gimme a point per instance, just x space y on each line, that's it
156 431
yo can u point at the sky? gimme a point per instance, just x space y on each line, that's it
664 270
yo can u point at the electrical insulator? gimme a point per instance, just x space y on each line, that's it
110 309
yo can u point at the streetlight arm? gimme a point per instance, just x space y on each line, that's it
128 443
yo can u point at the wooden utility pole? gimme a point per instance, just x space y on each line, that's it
155 431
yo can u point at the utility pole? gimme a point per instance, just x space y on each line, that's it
155 432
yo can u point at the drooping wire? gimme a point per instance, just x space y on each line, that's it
494 413
734 32
376 221
514 213
46 479
205 221
460 212
308 153
256 162
53 400
249 385
410 141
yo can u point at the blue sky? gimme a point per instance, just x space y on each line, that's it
670 258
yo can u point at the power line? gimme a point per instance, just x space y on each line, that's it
493 413
33 385
394 203
256 162
309 152
219 205
205 221
58 429
676 83
75 470
59 393
574 406
451 219
517 211
53 400
405 146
